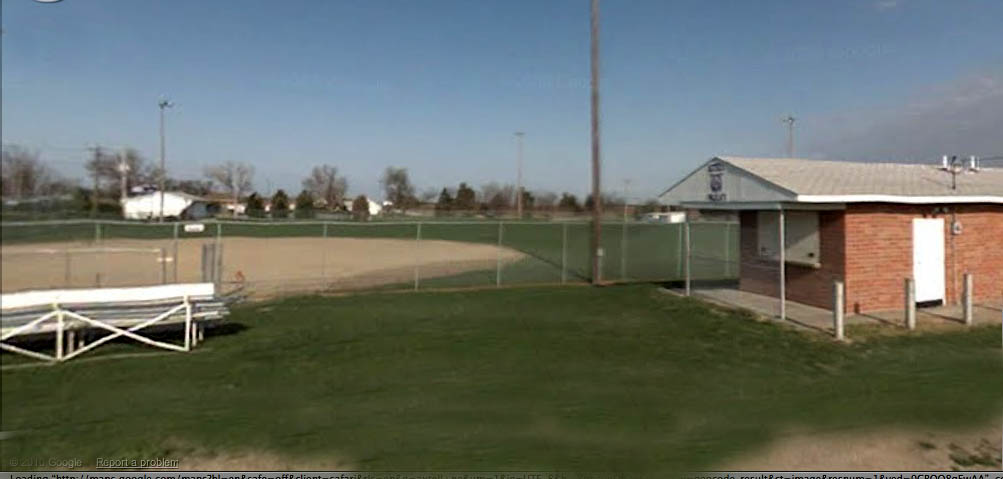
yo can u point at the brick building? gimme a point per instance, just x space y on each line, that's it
870 225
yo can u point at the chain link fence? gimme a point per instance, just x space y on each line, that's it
274 257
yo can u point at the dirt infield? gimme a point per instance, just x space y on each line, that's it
265 265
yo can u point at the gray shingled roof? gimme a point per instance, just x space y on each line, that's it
817 177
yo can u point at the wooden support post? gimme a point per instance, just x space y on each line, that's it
968 294
910 304
838 309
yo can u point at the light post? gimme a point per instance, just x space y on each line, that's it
163 104
789 120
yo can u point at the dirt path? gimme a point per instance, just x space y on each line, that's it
902 450
266 264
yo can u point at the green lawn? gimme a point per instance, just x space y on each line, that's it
620 378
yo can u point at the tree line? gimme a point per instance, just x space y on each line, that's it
115 174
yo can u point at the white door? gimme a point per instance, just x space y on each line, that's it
928 258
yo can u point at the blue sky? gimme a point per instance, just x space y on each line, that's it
439 86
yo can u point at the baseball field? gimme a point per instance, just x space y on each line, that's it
280 257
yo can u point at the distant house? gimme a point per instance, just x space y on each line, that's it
176 205
374 207
664 217
226 203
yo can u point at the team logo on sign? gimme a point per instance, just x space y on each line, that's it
716 173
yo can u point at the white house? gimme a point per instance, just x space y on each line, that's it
147 206
665 217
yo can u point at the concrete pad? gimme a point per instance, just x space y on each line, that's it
811 318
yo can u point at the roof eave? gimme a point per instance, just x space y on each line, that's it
917 200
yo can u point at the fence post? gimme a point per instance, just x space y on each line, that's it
564 253
417 256
969 292
176 260
163 265
97 233
66 271
623 251
838 308
680 258
686 225
323 257
218 257
727 251
501 233
910 304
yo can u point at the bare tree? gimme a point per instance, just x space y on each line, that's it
137 170
114 169
234 178
23 175
324 183
397 187
546 200
498 197
429 195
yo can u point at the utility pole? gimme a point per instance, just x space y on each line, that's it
596 200
518 180
163 155
123 172
789 120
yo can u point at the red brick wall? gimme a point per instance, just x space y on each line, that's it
869 246
805 284
879 252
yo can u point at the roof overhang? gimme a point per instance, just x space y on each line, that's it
761 205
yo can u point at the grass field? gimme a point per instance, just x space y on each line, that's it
623 378
644 252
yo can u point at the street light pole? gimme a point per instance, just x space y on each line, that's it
163 155
789 120
518 180
596 199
